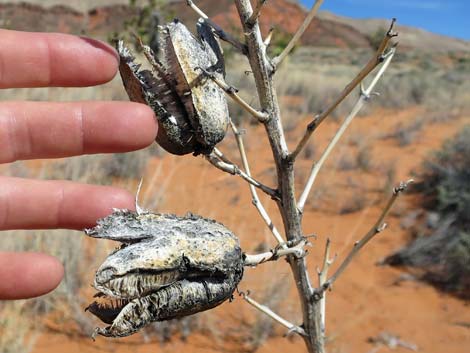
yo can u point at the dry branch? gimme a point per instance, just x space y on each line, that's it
218 30
371 65
322 277
232 93
303 27
363 98
263 70
254 195
312 300
256 12
264 309
225 165
378 227
257 259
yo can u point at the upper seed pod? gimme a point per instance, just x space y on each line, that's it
191 109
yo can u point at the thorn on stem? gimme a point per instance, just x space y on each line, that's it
381 228
311 126
317 295
292 330
138 209
363 92
391 33
402 186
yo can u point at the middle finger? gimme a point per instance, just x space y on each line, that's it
31 130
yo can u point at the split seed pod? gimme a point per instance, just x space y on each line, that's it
191 109
167 267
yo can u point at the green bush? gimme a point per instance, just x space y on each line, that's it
144 24
376 38
442 248
446 180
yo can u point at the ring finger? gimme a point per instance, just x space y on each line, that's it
50 130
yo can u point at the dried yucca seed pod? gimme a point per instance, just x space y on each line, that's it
167 267
191 109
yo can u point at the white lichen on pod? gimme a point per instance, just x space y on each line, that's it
167 267
191 109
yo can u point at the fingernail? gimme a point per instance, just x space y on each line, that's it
102 46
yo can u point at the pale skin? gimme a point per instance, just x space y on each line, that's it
30 130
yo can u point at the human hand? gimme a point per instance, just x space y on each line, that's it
31 130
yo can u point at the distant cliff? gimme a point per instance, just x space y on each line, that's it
79 17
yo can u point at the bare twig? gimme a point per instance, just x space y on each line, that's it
322 277
254 195
138 209
327 262
371 65
232 93
254 16
231 168
312 13
268 38
218 30
378 227
264 309
363 98
222 156
274 254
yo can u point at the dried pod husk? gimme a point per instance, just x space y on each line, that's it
166 267
191 109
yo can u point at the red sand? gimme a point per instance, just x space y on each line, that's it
364 302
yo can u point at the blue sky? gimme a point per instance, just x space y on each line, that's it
451 17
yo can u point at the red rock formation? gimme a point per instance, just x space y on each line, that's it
283 15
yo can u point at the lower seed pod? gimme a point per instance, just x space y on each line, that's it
167 267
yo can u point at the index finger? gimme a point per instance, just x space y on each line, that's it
29 59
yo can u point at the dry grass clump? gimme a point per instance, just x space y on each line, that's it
438 88
354 203
360 159
16 327
312 77
406 134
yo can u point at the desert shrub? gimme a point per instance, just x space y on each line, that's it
437 90
409 88
353 204
279 42
128 165
364 157
15 327
446 179
442 248
263 327
376 38
147 17
346 161
405 134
